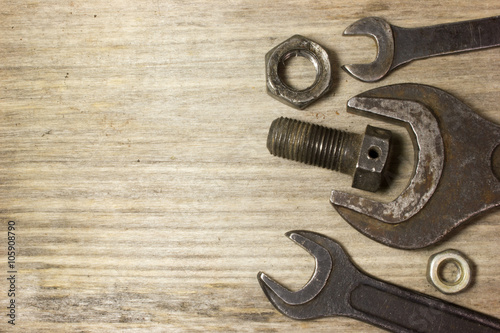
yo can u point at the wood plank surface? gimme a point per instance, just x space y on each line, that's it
133 161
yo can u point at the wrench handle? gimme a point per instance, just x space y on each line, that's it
402 310
424 42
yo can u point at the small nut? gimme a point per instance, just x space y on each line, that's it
437 262
304 47
372 160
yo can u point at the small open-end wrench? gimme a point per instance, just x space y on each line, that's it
339 288
397 46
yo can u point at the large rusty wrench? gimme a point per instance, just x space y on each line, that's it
397 46
453 180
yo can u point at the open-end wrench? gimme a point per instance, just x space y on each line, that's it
339 288
397 46
456 167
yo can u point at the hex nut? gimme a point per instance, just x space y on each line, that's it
298 46
438 260
372 160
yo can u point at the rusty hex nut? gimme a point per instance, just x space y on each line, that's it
298 46
372 160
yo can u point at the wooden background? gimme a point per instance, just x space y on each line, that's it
133 159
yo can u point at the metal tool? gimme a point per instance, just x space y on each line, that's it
397 46
456 167
339 288
363 156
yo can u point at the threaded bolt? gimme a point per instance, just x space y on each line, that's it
331 148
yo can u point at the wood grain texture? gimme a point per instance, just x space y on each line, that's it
133 161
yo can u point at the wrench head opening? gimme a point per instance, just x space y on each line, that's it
456 182
423 128
381 31
312 300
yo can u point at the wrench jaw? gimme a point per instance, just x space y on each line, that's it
381 31
424 130
323 267
436 204
314 299
299 312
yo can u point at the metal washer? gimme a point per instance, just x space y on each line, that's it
437 260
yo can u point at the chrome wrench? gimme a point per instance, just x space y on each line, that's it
339 288
398 46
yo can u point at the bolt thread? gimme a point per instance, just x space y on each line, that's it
312 144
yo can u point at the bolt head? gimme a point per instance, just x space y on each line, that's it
372 161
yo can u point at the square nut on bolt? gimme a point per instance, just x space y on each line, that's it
362 156
372 160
